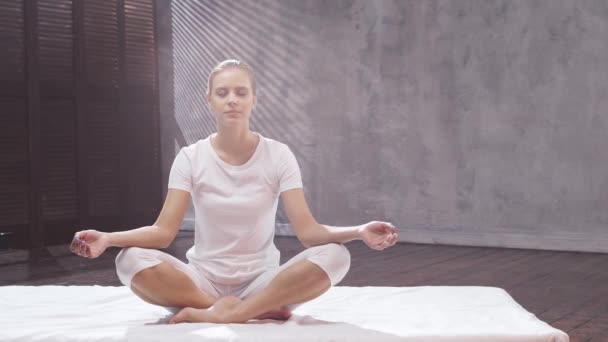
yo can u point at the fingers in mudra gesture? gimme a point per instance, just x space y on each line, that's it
379 235
89 243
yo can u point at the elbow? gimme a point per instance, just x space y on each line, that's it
165 238
313 237
166 242
310 241
305 243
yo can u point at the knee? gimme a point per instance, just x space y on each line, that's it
336 261
127 256
340 254
127 262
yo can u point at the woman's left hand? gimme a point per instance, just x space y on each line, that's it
379 235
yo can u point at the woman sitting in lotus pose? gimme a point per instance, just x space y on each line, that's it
235 178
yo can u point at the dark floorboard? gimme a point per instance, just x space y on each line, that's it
568 290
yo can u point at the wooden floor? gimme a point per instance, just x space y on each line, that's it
568 290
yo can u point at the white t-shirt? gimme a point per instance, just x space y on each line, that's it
235 207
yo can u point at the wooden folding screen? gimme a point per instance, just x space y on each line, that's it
79 122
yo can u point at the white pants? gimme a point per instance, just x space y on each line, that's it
332 258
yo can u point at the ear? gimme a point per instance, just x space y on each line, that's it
255 102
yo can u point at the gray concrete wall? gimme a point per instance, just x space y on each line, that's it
462 122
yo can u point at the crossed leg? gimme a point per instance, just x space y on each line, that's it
303 278
298 283
161 279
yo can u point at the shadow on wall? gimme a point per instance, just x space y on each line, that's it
263 34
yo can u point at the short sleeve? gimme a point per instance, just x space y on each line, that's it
180 176
289 171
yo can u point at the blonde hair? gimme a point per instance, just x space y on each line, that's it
227 64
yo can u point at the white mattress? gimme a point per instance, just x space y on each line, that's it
430 313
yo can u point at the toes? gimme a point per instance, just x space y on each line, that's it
175 319
286 314
181 316
281 315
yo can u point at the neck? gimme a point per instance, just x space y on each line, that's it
233 140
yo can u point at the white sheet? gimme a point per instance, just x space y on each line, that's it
430 313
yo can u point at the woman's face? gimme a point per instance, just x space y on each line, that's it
231 98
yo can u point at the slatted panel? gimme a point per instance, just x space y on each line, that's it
90 105
59 184
14 157
103 126
101 114
144 190
59 197
140 66
101 42
140 111
14 205
11 41
55 40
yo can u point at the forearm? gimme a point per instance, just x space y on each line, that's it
145 237
323 234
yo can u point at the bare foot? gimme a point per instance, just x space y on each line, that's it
221 311
218 313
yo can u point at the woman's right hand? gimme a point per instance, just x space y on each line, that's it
89 243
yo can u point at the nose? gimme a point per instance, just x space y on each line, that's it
232 99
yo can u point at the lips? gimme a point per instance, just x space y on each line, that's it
232 112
